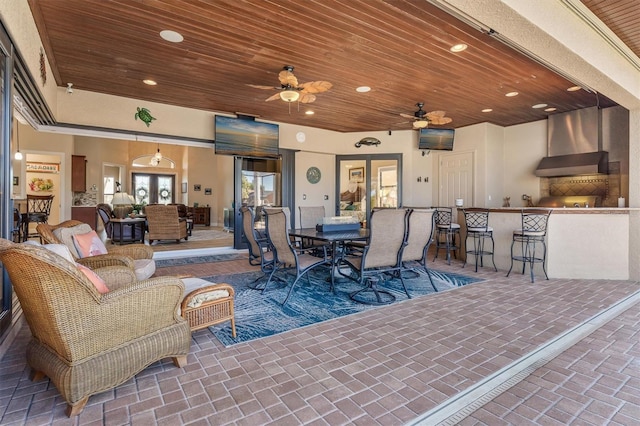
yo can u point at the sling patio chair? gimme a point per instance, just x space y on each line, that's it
287 257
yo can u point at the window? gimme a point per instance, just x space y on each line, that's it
153 188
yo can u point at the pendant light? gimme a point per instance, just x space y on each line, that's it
18 154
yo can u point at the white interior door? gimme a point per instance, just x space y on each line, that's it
456 178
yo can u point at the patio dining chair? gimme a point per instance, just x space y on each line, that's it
383 255
310 216
260 252
419 237
287 257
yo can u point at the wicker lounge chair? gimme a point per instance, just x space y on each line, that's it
165 223
139 257
87 342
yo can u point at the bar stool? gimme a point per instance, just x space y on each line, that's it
533 231
477 222
446 232
17 233
38 210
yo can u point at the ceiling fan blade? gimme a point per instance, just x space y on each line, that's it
257 86
273 97
407 115
435 114
315 86
306 98
287 78
440 120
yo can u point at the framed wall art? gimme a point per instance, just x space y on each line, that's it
356 174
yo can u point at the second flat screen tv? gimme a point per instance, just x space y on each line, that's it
246 138
436 139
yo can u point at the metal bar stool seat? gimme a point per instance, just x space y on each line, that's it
532 233
446 232
477 223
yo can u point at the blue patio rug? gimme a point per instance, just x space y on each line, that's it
260 314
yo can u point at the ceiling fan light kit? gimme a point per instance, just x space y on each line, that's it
289 95
420 124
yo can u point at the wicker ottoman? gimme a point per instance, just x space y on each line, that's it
207 304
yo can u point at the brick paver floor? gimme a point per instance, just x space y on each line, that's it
385 366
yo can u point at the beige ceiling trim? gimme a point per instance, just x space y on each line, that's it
583 12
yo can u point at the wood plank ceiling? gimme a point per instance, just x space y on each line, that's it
399 48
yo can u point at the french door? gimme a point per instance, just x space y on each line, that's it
366 182
149 188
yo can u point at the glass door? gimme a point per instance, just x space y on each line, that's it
258 185
366 182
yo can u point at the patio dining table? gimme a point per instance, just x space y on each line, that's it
336 239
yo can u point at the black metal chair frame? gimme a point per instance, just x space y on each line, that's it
444 227
532 232
477 223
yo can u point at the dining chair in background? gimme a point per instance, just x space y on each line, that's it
260 252
38 211
287 257
533 231
477 224
383 255
420 230
310 216
446 232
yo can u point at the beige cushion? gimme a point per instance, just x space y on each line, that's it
59 249
144 268
191 284
66 236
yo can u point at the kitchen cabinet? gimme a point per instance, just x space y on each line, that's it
85 214
78 173
201 215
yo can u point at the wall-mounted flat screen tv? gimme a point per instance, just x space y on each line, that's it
245 137
436 139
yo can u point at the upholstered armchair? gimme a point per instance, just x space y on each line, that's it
87 340
165 223
139 257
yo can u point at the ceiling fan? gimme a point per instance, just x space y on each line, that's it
291 91
422 119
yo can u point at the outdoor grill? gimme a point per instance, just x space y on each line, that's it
571 201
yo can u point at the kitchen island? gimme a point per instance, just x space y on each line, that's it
583 243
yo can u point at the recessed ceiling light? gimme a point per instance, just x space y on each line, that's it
538 106
487 110
551 109
309 112
574 88
149 82
511 94
458 47
171 36
363 89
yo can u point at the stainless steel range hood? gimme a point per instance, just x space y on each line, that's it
574 145
574 164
